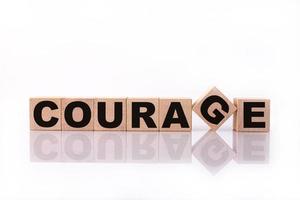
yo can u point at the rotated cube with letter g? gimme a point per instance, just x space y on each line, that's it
214 108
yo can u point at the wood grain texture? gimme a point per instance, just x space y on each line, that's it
154 102
112 106
46 113
182 104
215 110
78 114
263 110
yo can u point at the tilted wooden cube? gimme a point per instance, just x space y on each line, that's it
214 108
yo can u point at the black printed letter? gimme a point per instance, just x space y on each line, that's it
181 119
218 115
102 112
136 114
69 114
248 114
38 114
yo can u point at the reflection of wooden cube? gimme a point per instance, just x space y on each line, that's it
77 146
110 114
142 114
77 114
175 114
142 147
213 152
214 108
251 147
252 115
45 146
45 114
175 147
110 146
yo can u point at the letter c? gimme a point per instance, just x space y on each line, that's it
37 114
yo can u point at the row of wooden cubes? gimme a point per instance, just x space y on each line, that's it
148 114
122 118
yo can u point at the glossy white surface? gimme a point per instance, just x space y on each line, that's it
150 48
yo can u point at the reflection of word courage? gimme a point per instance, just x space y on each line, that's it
210 150
148 114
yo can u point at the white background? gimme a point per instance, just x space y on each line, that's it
149 48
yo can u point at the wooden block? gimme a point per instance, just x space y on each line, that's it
175 114
142 114
77 114
214 108
45 114
252 115
110 114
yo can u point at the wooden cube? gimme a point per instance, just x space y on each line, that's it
77 114
142 114
252 115
45 114
214 108
110 114
175 114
